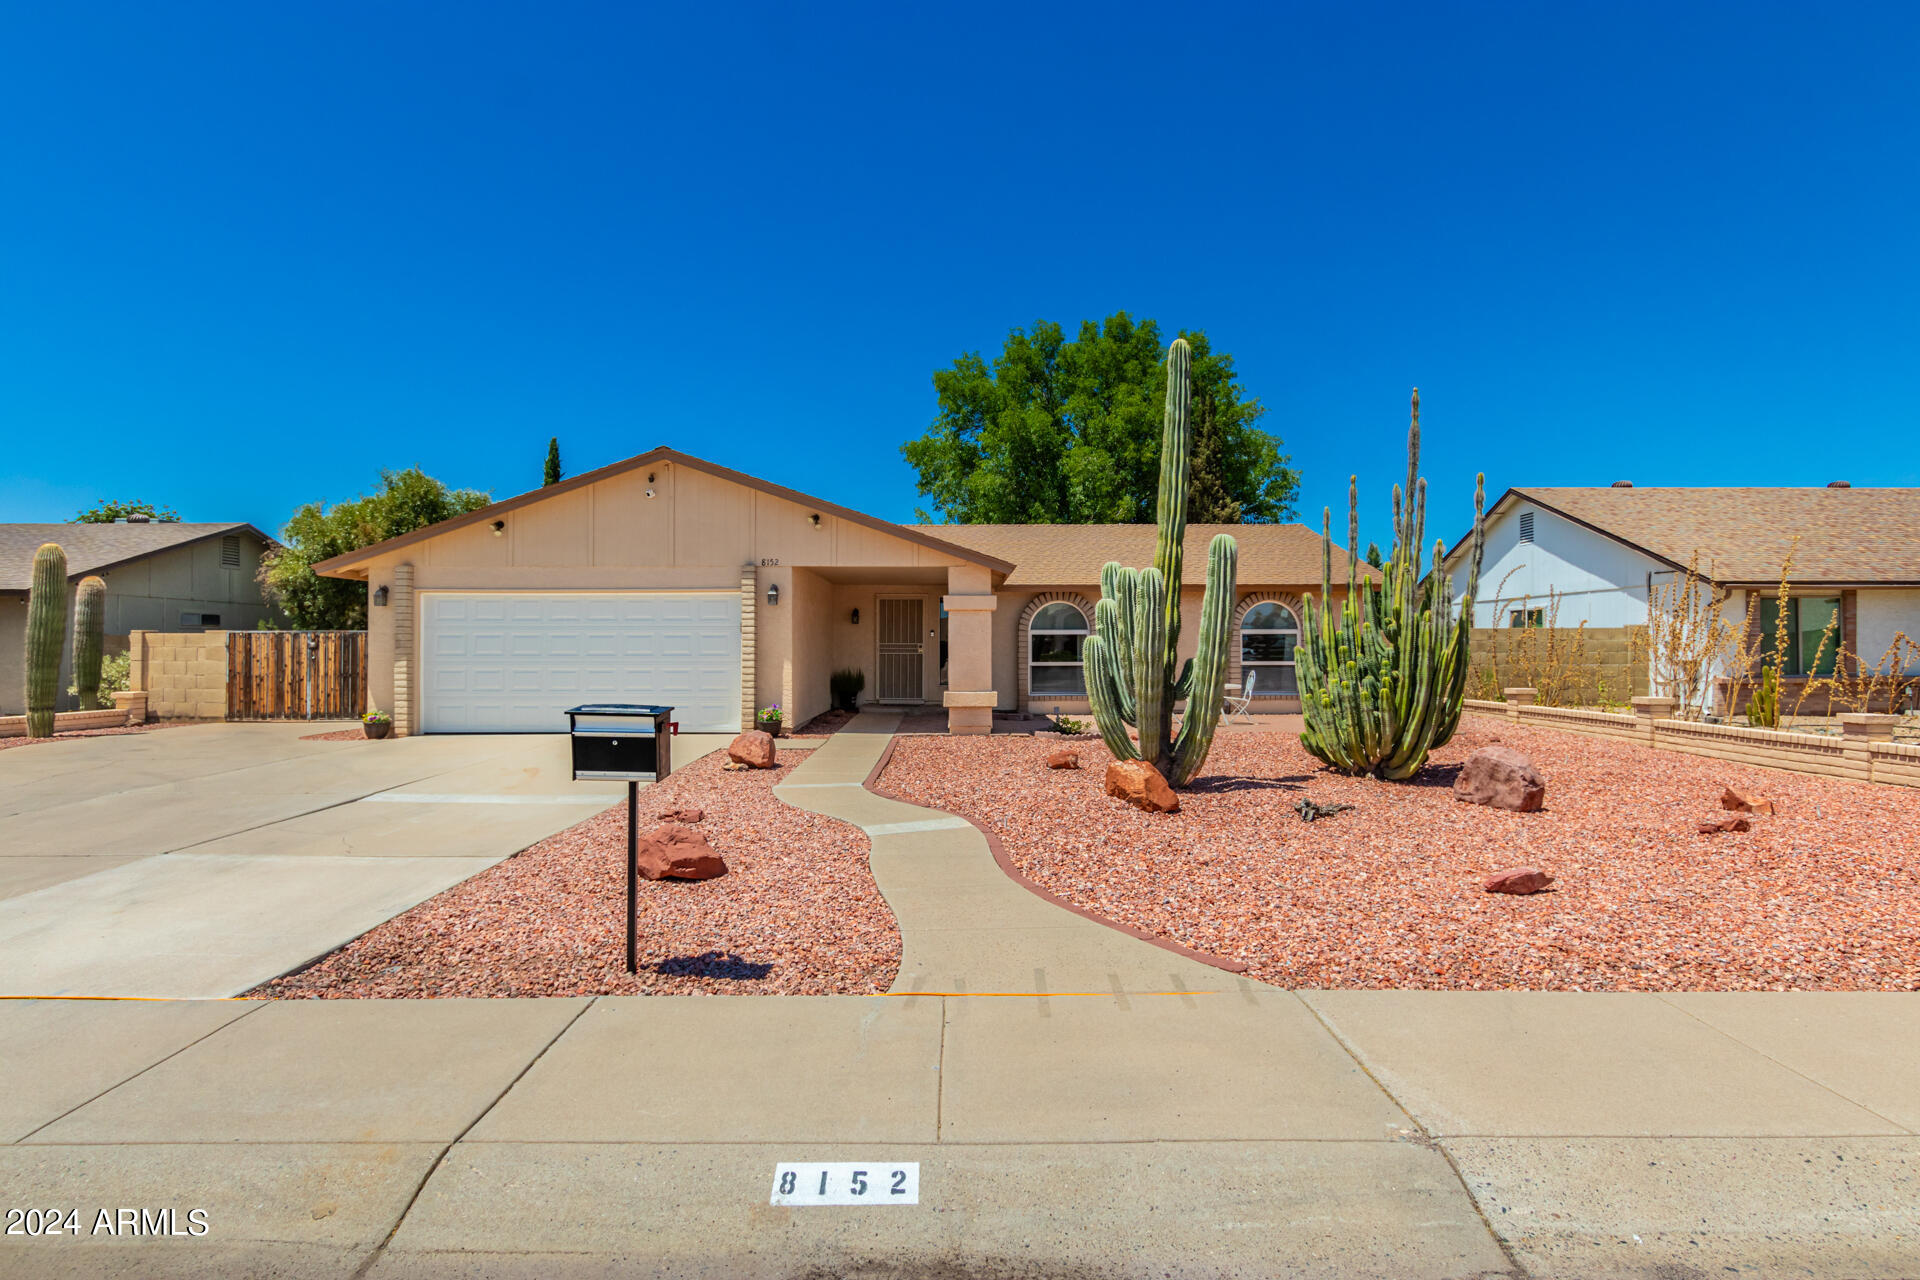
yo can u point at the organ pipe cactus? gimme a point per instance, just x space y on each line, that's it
46 637
1130 656
1383 677
89 627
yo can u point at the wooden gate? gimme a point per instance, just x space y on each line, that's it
296 675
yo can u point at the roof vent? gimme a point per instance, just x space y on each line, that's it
1838 484
1623 484
138 518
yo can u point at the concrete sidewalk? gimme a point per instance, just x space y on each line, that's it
1178 1121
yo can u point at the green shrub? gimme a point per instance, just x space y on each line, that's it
116 674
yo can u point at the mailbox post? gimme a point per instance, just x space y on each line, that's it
623 742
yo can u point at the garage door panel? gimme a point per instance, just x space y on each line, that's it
515 661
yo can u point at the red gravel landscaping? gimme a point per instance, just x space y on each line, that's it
115 732
797 913
1823 896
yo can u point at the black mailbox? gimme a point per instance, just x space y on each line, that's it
621 742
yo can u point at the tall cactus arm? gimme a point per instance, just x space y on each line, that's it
1103 694
1116 656
1208 667
1169 545
1150 692
89 627
46 637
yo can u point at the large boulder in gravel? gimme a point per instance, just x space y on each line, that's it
1142 786
1064 758
754 749
674 852
1744 802
1518 880
1502 778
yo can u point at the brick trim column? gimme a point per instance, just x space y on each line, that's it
404 693
749 593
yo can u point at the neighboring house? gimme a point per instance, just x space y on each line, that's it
160 577
668 579
1567 556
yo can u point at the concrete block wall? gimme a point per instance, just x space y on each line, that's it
183 673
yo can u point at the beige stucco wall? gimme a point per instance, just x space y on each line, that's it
695 533
184 673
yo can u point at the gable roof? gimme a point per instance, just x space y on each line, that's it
1062 555
342 566
95 548
1744 535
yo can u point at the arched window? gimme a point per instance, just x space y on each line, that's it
1268 634
1054 638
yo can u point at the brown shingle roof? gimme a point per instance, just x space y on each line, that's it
1071 555
1744 535
93 547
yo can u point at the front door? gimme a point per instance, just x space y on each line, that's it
902 649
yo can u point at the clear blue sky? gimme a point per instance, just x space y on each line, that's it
253 254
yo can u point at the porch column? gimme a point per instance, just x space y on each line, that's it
404 693
970 696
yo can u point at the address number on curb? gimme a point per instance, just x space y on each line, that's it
846 1182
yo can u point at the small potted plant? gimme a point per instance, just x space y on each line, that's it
376 723
768 718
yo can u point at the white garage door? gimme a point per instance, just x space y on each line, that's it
513 662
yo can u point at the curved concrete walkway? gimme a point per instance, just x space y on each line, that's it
965 926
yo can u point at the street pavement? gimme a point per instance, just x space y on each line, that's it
1122 1112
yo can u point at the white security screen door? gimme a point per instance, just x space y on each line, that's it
902 649
514 661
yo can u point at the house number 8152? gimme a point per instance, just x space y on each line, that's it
846 1182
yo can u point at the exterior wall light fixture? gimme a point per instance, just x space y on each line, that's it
380 596
499 527
856 617
773 593
815 517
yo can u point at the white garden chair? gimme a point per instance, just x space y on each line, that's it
1238 699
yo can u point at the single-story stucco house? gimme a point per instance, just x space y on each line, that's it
672 580
1596 554
169 576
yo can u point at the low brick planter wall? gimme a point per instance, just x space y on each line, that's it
67 722
1862 754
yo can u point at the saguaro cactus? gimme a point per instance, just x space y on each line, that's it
46 637
1384 682
89 628
1130 656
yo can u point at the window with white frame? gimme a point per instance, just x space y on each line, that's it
1054 638
1269 634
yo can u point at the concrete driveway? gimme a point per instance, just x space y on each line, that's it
201 861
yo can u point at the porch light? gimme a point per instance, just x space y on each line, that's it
856 617
773 593
499 527
815 517
380 596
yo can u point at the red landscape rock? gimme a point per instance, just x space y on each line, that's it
1712 826
1518 880
1140 785
674 852
1745 802
754 748
1063 759
1501 778
680 815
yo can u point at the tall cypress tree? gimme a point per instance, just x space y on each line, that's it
553 462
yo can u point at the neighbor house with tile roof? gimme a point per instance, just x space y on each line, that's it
669 579
160 576
1592 556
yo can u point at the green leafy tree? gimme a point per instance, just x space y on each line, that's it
407 500
107 512
552 473
1060 431
1374 557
